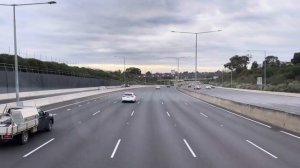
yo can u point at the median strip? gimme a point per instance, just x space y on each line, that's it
238 115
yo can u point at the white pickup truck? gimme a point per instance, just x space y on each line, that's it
18 122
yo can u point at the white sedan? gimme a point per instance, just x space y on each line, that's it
129 97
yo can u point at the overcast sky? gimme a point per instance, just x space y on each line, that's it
97 33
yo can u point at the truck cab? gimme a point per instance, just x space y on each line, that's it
46 121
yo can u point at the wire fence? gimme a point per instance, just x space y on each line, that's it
31 69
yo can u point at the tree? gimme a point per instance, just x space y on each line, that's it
238 63
296 59
272 61
148 73
254 65
133 71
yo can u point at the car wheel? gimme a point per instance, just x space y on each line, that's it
23 137
50 125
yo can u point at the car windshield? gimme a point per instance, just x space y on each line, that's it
150 84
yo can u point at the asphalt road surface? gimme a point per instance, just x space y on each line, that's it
289 104
163 129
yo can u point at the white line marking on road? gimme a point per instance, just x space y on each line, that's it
38 148
290 134
138 102
191 150
115 150
54 114
97 112
262 149
162 102
168 114
71 104
68 109
115 102
238 115
132 113
204 115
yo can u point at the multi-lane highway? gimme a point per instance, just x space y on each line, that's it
164 128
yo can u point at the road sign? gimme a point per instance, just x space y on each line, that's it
259 81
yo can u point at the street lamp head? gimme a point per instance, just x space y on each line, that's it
52 2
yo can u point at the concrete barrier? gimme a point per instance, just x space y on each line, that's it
274 117
62 98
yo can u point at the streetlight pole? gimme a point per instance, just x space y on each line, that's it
15 42
265 65
124 70
177 59
196 46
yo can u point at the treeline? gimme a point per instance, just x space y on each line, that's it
281 76
54 67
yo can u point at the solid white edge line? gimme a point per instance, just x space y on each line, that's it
72 104
257 122
191 150
68 109
168 114
204 115
38 148
115 149
295 136
227 111
132 113
262 149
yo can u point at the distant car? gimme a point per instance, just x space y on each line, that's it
128 97
208 87
190 85
125 85
168 86
157 87
212 86
197 87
